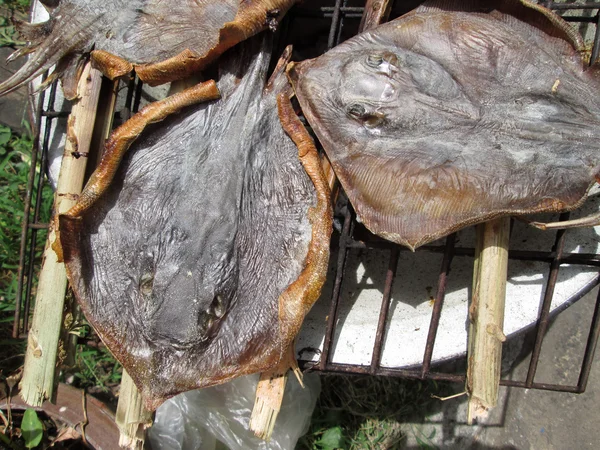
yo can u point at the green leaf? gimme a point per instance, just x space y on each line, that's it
5 135
32 429
332 438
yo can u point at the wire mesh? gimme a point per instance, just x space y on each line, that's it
331 22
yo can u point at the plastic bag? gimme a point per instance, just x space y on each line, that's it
192 420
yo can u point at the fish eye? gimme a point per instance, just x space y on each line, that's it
146 284
373 120
391 58
374 59
357 111
369 119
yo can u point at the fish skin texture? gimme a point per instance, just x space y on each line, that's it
454 114
180 265
187 34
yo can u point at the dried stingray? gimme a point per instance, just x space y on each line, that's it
164 40
199 262
456 113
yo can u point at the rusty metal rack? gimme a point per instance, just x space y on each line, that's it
334 21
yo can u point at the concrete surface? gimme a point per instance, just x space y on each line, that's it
530 419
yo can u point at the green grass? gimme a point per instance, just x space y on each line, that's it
363 412
8 35
15 161
94 367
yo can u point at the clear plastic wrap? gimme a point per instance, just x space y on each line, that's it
193 420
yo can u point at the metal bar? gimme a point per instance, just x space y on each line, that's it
138 95
596 46
38 205
385 307
540 386
126 112
338 38
440 376
588 259
335 296
439 302
580 19
572 5
26 213
590 348
54 114
328 10
38 195
545 310
39 226
334 23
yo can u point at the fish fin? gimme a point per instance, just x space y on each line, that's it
69 69
122 138
280 67
110 65
522 10
32 32
593 220
34 66
298 298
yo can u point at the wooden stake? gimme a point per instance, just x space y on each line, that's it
271 386
102 127
486 316
269 395
376 12
132 417
43 339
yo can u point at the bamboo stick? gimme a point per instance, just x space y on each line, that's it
132 417
43 339
332 181
271 386
376 12
105 113
486 316
269 395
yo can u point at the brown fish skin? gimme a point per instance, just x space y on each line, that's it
164 41
441 118
200 259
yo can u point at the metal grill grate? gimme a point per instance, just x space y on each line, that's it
555 257
334 21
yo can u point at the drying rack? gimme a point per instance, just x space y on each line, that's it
333 21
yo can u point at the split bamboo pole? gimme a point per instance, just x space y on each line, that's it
132 417
271 386
43 339
486 317
105 113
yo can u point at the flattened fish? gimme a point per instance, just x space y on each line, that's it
199 262
163 40
456 113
